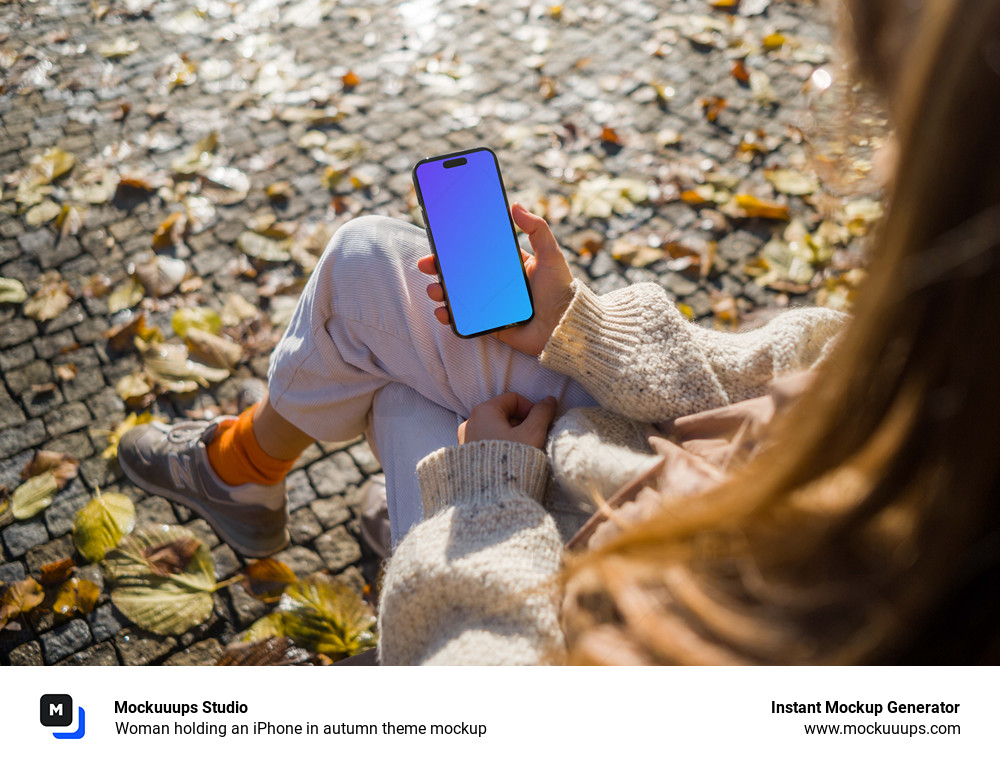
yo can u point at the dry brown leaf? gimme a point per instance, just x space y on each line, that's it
170 233
122 336
66 372
170 558
276 650
740 72
350 80
64 467
213 350
712 107
20 598
56 572
52 298
266 579
160 275
610 136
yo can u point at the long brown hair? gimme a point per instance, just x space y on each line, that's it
869 532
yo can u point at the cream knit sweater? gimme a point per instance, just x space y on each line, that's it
474 582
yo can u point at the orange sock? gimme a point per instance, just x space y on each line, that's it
238 458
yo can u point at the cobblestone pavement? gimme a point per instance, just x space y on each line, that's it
631 125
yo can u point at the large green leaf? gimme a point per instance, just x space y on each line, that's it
34 496
167 604
320 614
102 523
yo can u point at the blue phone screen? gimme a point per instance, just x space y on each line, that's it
477 251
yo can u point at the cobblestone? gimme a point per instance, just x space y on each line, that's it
477 77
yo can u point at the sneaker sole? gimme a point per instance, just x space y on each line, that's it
205 513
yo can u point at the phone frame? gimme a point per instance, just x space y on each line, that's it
430 239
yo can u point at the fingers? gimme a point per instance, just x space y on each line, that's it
536 424
435 292
426 265
539 234
441 314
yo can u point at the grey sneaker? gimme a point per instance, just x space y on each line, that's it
171 461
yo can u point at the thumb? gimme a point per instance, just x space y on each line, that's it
539 419
539 234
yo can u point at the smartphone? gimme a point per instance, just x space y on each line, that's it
474 242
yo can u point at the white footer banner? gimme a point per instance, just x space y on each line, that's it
767 716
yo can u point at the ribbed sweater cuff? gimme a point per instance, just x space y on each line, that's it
481 472
595 336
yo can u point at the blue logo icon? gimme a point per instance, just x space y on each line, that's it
57 710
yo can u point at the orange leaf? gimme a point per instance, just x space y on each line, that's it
712 107
350 80
56 572
76 596
754 207
608 135
265 579
740 71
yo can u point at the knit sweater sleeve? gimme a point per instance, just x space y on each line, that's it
638 356
474 582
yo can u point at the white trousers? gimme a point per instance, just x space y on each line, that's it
364 354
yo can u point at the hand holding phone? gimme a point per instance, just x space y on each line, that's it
548 275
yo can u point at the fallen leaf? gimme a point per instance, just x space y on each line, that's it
198 158
610 136
56 572
43 212
135 390
34 495
279 191
635 253
70 219
160 275
213 350
131 421
224 185
322 615
168 605
170 368
264 248
101 524
52 298
66 372
51 164
20 598
712 107
237 309
118 48
76 596
604 196
760 87
187 318
125 295
276 650
266 579
63 467
171 557
774 41
792 182
170 233
753 207
740 72
12 291
350 80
